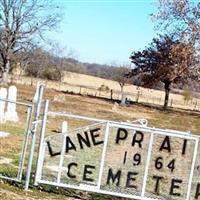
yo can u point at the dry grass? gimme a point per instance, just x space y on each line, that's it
173 119
84 84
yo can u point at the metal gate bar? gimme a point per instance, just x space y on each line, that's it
25 141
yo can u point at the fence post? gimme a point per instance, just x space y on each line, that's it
137 96
41 140
111 94
80 90
195 106
25 143
34 131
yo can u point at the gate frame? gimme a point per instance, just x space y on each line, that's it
35 123
31 128
29 108
151 131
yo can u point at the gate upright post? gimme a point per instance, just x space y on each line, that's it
41 140
34 131
25 143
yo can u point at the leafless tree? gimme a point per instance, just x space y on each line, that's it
23 23
179 17
43 64
120 75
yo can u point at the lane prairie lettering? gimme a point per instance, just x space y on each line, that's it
122 135
166 145
85 140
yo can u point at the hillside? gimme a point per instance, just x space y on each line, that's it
42 64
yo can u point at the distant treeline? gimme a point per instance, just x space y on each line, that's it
42 64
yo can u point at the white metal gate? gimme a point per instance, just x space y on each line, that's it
121 159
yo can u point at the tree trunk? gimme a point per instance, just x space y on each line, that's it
167 90
122 95
111 94
6 67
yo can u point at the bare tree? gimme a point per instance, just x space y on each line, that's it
120 75
179 17
23 23
43 64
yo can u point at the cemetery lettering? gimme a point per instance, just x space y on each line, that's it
167 158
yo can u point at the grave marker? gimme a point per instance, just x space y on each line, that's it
11 112
64 127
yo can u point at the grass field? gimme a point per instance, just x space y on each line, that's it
84 84
93 107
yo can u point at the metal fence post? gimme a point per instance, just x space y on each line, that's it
41 140
25 143
192 169
147 164
34 131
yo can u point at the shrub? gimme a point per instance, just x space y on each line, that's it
187 95
51 74
104 88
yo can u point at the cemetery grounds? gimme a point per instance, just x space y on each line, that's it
82 105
